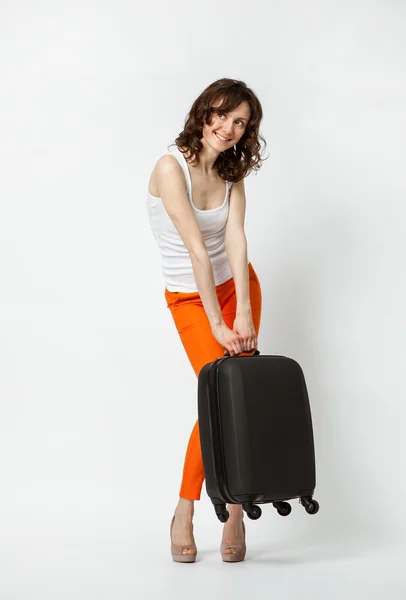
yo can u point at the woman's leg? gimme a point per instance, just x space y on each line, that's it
193 328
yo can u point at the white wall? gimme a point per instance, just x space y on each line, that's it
97 395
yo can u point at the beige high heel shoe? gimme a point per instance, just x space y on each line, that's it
240 550
178 552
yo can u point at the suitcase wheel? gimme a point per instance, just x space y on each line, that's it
311 506
284 508
253 511
221 512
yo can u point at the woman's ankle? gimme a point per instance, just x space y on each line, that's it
235 512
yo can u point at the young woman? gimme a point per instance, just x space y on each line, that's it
196 207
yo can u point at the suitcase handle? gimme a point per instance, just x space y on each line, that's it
254 353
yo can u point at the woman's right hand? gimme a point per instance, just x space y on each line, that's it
229 339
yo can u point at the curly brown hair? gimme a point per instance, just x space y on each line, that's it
237 162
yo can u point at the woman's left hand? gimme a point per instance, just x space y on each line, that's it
244 326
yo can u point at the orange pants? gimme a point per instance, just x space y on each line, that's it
202 347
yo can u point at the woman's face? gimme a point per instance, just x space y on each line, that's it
230 126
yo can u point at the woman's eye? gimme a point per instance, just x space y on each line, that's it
223 115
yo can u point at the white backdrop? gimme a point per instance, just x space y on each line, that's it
97 395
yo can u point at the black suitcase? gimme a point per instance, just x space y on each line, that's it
256 434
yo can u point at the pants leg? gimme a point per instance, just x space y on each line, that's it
201 347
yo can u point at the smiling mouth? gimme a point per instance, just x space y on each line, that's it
221 139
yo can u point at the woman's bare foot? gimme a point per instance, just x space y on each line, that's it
233 533
182 529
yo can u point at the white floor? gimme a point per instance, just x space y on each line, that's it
124 554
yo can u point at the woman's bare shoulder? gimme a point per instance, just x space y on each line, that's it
168 167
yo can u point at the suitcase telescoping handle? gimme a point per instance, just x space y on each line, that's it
254 352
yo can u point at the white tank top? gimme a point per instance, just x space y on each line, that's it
176 263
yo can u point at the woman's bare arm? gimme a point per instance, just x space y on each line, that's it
172 188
